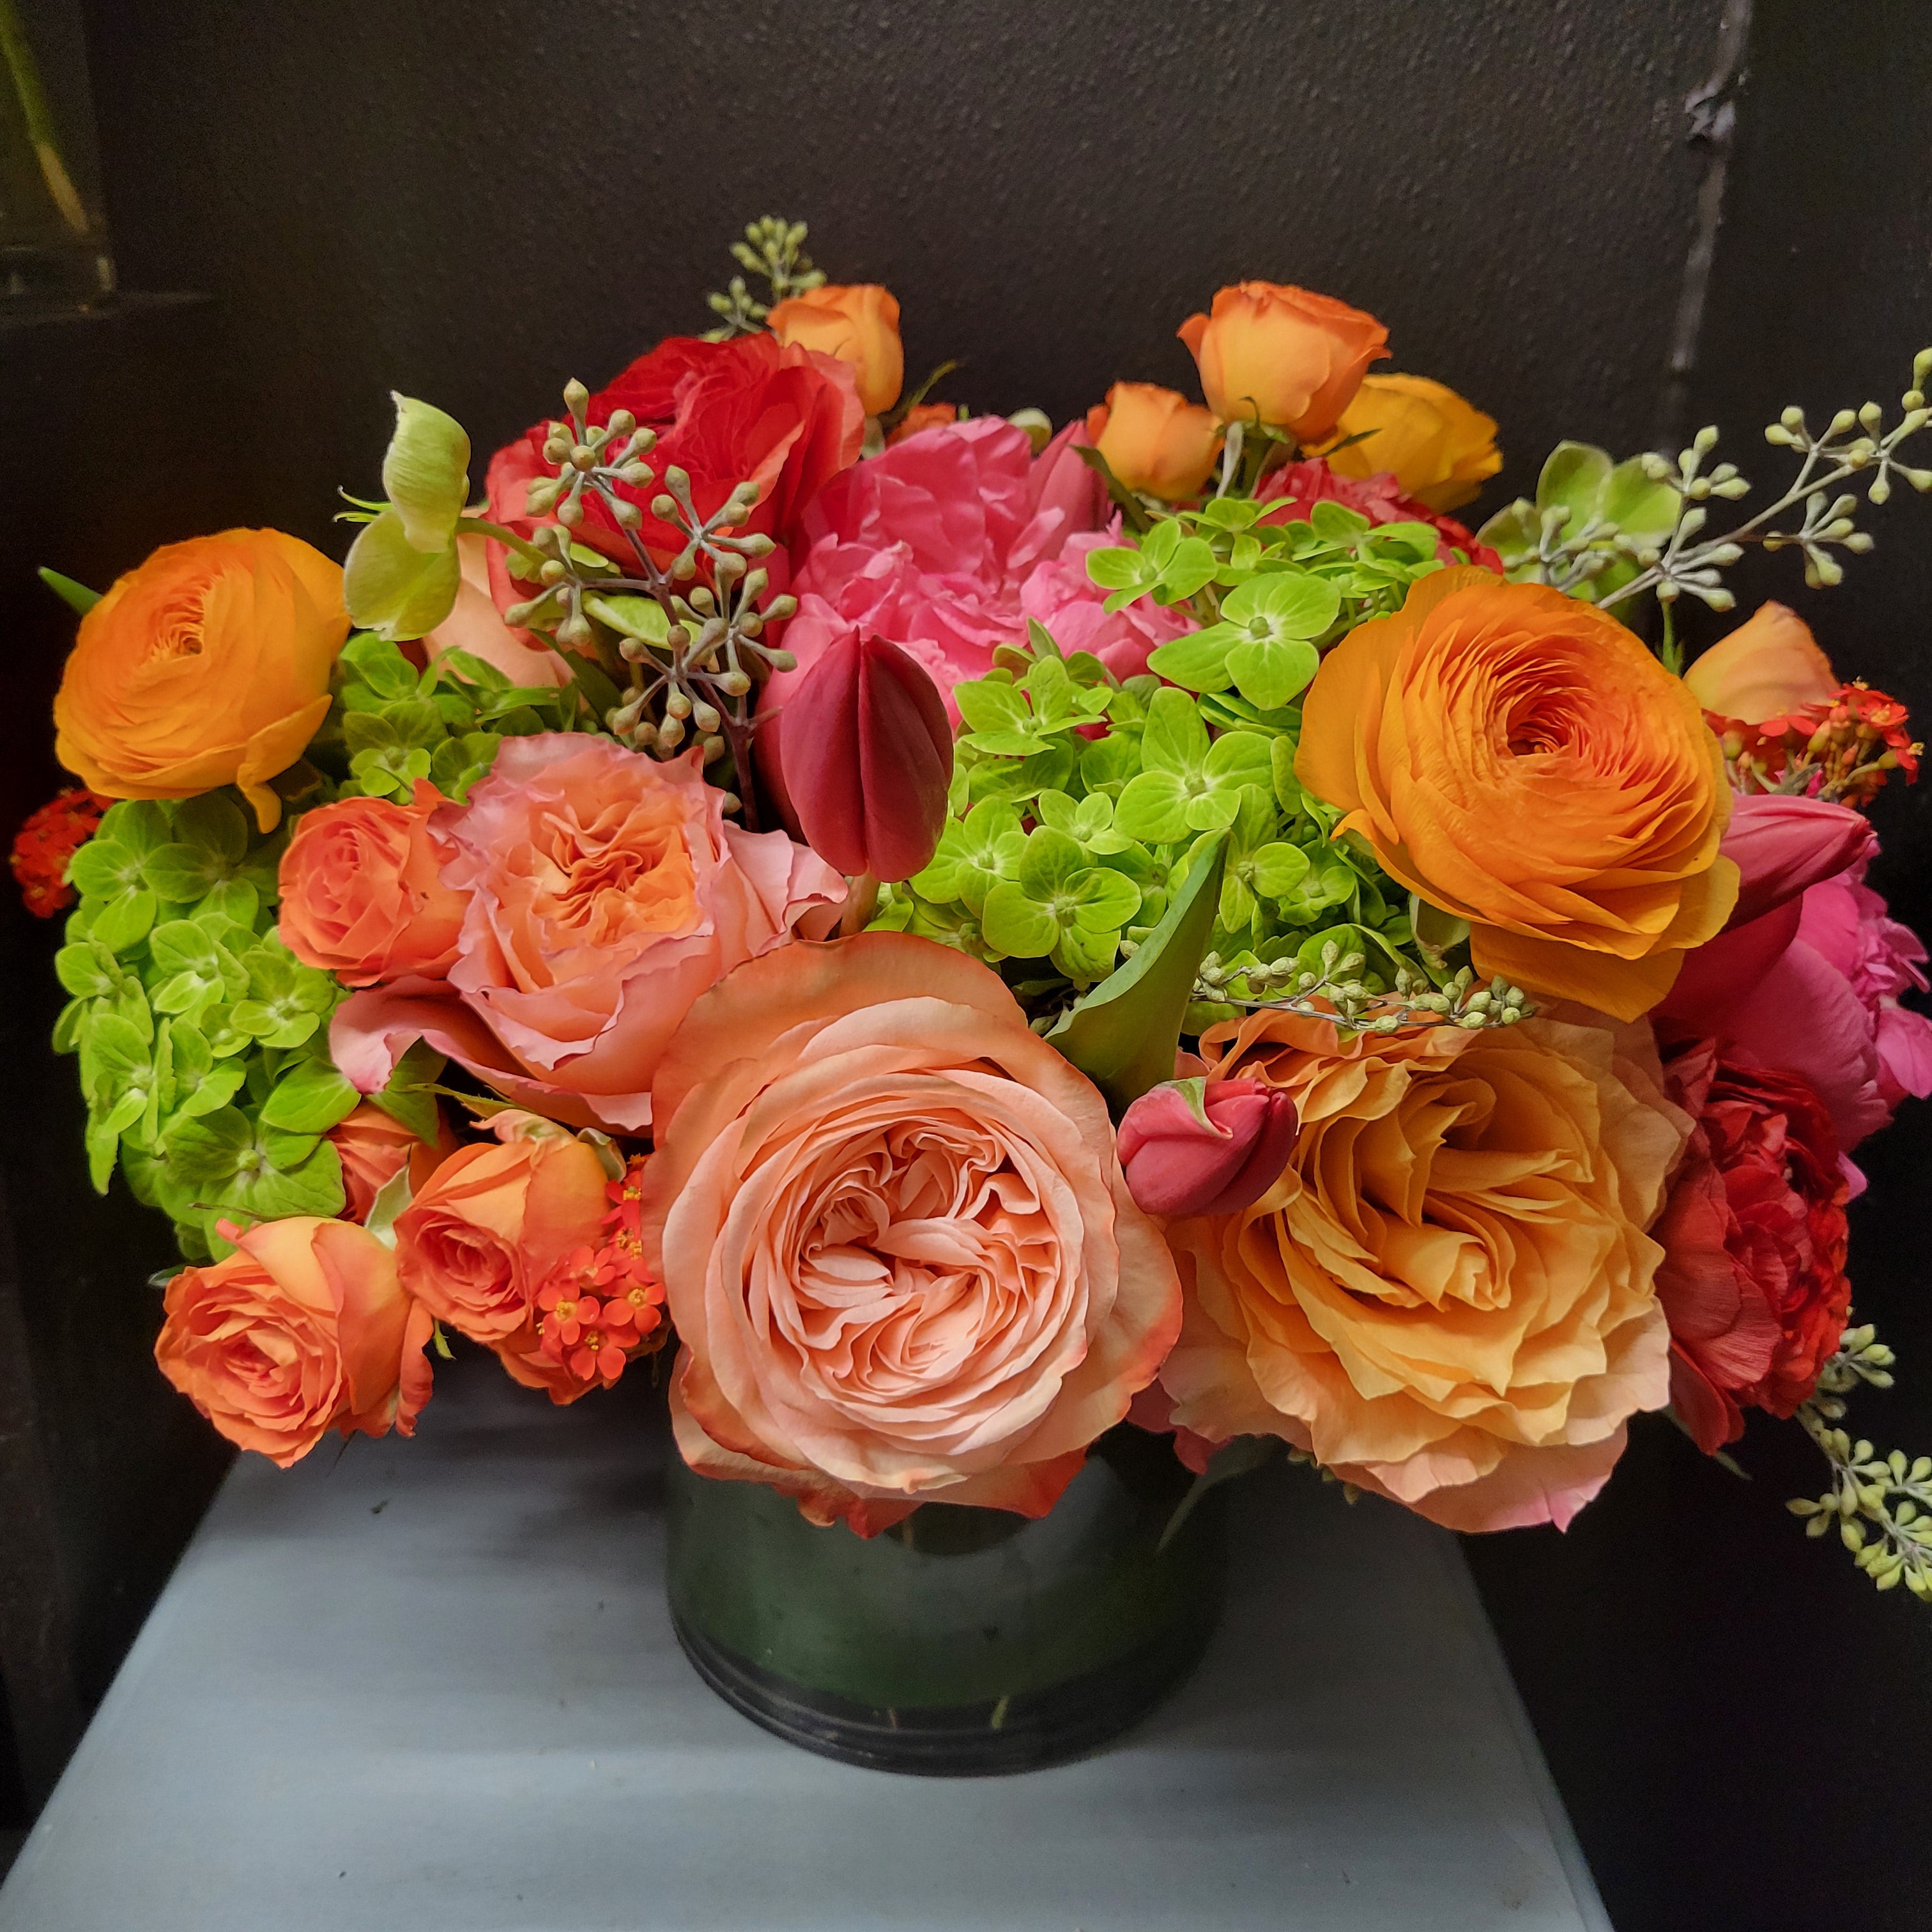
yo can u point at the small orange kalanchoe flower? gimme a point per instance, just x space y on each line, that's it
45 845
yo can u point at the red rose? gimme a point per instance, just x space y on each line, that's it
725 412
1299 487
1752 1280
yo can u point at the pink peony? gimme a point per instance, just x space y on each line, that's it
606 892
947 543
1814 988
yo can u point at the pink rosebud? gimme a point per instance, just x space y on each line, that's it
860 755
1196 1147
1784 845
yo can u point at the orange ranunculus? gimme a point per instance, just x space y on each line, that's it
305 1328
375 1147
1291 357
1519 760
1767 668
207 666
475 1246
1155 439
362 896
859 324
1438 447
1448 1297
895 1236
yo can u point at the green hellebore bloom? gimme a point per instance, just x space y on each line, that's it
426 473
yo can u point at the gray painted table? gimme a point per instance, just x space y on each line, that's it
431 1686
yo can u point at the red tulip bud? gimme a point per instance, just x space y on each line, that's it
860 754
1194 1147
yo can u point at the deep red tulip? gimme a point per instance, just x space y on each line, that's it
1191 1146
860 754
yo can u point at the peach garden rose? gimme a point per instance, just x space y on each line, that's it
895 1241
605 891
1449 1296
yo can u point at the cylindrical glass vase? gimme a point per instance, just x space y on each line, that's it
962 1642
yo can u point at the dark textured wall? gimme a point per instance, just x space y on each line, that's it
470 202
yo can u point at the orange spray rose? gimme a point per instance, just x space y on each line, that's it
859 325
1519 760
207 666
305 1328
1290 356
361 894
1420 432
475 1246
375 1147
1767 668
1155 439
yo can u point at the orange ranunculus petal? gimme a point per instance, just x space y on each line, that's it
1519 761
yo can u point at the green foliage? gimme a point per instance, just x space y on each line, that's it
402 574
1063 851
1590 519
392 724
202 1042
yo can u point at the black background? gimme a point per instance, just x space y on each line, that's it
470 202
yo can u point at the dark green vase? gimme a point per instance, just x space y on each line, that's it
963 1641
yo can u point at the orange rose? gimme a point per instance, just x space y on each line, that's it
305 1328
476 1244
1437 447
207 666
924 416
1767 668
375 1147
1519 760
1292 357
895 1238
1155 439
1448 1296
362 896
859 325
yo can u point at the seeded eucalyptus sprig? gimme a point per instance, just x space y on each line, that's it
1609 533
1882 1504
773 250
1332 989
687 641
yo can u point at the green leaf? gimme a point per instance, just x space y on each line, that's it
1639 506
1573 474
123 922
87 970
1051 864
1122 569
213 823
410 1096
76 596
1175 740
393 589
309 1100
1192 565
1269 673
426 474
183 875
104 868
1123 1034
1285 604
232 902
1198 662
640 617
1104 901
1017 925
373 661
1153 806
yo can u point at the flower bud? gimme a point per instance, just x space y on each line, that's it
1194 1147
860 756
1155 439
1782 844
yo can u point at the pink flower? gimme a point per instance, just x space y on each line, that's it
606 892
1814 988
947 543
1188 1148
1783 845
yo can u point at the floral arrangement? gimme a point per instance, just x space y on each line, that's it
986 934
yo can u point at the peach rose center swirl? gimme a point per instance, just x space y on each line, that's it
905 1260
624 871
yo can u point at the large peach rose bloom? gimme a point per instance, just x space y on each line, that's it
303 1328
1519 760
1448 1297
605 892
895 1239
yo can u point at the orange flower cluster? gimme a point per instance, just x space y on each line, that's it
47 841
1843 748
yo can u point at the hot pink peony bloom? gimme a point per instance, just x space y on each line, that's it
1814 988
606 892
947 544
